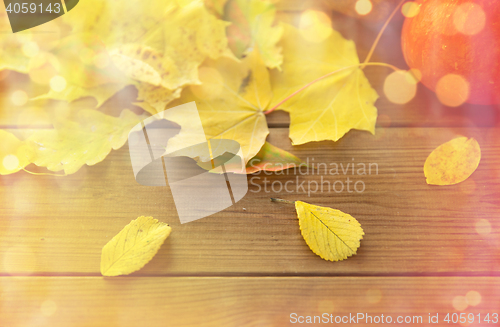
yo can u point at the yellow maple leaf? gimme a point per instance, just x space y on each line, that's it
253 25
452 162
14 153
230 103
134 246
331 234
158 44
86 140
73 92
328 109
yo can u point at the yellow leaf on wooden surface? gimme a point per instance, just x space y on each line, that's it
87 139
14 153
331 107
134 246
452 162
330 233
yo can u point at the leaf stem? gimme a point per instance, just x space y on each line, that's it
377 39
43 174
328 75
282 201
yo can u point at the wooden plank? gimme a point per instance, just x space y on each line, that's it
164 301
58 225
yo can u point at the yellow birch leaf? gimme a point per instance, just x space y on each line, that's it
88 139
331 107
134 246
452 162
331 234
14 153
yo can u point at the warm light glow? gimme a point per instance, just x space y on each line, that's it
48 308
416 74
43 75
400 87
57 83
459 303
452 90
325 306
10 162
483 226
363 7
315 26
469 18
101 60
19 98
373 296
212 84
473 298
30 49
410 9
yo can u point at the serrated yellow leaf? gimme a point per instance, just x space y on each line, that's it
331 107
452 162
330 233
87 139
14 153
134 246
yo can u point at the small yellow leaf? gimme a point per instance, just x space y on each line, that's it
14 154
330 233
452 162
134 246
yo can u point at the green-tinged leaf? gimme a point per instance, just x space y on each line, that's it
87 139
253 25
272 158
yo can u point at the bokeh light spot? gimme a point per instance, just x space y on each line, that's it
400 87
212 84
19 98
48 308
57 83
452 90
473 298
483 226
315 26
10 162
30 49
410 9
469 18
373 295
459 303
363 7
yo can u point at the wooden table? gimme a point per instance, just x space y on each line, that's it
425 247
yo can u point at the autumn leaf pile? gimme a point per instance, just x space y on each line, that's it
234 58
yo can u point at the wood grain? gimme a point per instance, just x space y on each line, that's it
181 301
57 226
